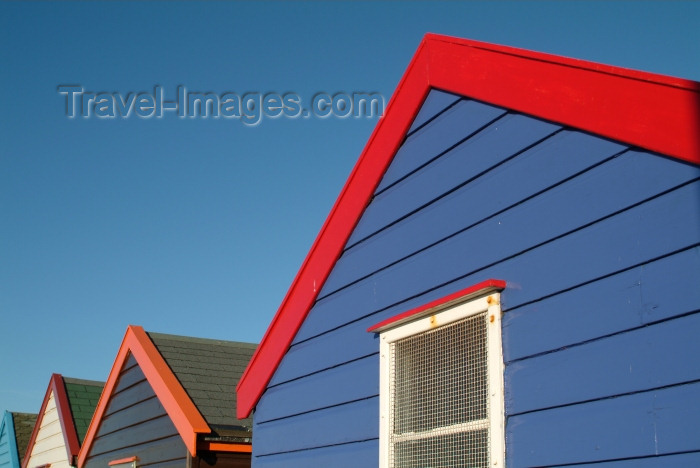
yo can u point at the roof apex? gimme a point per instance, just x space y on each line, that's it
647 110
57 389
180 408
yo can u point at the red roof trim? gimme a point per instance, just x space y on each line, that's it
485 287
655 112
56 388
651 111
350 204
184 414
121 461
65 415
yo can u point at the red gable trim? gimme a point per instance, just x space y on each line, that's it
655 112
122 461
479 289
65 415
184 414
57 388
352 200
651 111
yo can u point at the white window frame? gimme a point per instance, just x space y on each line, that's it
440 315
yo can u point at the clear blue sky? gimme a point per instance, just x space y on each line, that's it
198 226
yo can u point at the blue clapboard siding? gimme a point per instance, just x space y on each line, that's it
8 447
641 359
434 104
457 167
469 206
635 297
289 434
353 455
352 381
136 424
598 244
683 460
463 255
447 130
644 424
619 302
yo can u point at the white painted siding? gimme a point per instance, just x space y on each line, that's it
49 446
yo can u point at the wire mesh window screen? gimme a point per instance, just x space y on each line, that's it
439 397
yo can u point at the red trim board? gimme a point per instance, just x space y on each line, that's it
654 112
480 289
121 461
57 388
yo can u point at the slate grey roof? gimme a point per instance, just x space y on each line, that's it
209 371
23 425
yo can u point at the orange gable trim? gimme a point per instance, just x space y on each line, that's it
655 112
185 416
122 461
230 447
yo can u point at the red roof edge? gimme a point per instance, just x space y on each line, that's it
350 204
479 289
184 414
37 425
65 415
56 388
654 112
651 111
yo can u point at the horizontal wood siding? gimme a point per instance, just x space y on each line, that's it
353 455
136 424
682 460
50 445
645 424
434 104
341 424
8 459
598 243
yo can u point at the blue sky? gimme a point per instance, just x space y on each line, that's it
198 226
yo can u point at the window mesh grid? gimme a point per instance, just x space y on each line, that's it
439 397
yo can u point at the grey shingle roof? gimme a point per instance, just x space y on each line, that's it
83 396
209 371
23 425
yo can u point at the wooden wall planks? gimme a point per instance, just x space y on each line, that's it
472 158
561 263
435 102
353 455
136 424
638 360
348 382
635 297
351 422
5 455
592 238
49 446
682 460
650 423
448 129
